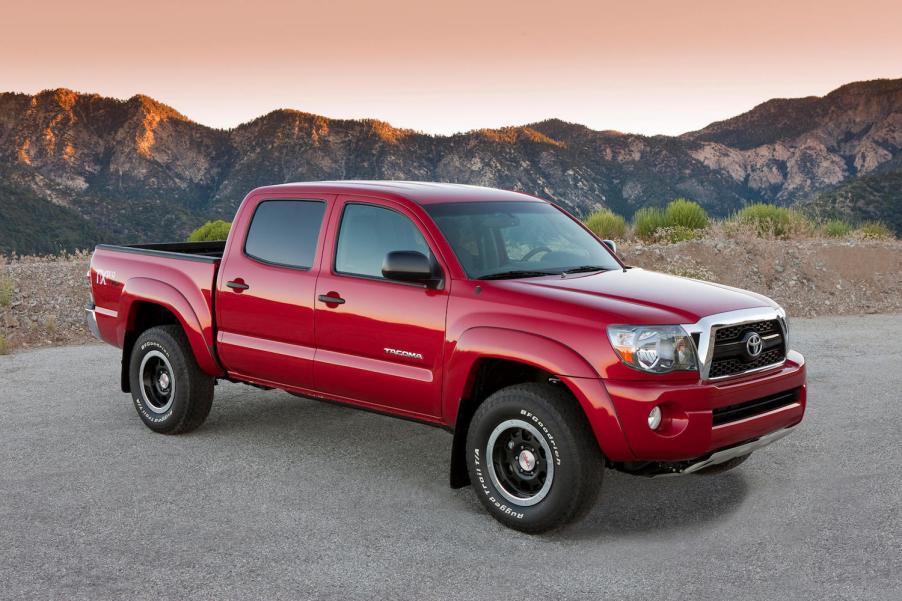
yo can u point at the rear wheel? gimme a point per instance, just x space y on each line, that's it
170 392
532 457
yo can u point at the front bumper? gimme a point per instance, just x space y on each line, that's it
689 430
91 321
689 433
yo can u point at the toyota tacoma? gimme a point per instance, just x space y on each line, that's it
492 314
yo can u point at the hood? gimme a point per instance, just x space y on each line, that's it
644 297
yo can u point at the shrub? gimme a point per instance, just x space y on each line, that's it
874 230
4 347
7 289
647 221
676 233
607 224
685 214
694 272
210 231
837 228
771 221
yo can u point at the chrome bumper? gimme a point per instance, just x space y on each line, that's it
91 321
737 451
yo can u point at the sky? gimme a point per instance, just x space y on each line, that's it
641 66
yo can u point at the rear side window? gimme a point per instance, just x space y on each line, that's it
284 232
368 233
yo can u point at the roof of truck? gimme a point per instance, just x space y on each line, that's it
418 192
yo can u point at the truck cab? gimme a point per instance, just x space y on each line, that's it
492 314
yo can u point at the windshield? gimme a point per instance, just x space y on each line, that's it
518 239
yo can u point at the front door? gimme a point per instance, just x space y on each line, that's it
264 304
379 343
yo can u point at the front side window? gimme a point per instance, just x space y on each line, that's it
284 232
368 233
518 239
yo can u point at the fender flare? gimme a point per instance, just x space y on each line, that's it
485 342
537 351
198 328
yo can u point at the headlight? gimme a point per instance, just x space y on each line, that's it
656 349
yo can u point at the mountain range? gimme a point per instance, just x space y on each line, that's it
76 169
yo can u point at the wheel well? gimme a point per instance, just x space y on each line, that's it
143 316
487 376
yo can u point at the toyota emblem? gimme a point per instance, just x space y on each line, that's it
754 345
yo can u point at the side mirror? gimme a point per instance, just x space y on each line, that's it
408 266
611 244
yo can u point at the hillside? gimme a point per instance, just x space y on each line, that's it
79 168
872 196
46 295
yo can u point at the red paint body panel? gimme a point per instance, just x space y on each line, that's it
266 331
277 333
182 287
352 338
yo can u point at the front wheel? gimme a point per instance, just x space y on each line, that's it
170 392
532 457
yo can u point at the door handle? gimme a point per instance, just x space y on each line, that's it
235 285
331 299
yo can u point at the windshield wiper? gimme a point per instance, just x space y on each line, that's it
505 275
584 269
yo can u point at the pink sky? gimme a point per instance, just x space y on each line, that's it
639 66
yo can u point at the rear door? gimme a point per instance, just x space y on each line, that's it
379 342
266 291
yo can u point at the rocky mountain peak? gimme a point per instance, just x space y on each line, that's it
148 172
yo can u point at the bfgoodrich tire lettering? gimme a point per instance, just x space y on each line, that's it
532 458
170 392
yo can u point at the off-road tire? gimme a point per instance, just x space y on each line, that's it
576 459
191 390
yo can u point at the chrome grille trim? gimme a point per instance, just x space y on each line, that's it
707 327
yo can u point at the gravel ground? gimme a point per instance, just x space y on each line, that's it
277 497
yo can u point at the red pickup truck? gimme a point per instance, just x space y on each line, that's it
492 314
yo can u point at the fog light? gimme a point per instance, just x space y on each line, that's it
654 418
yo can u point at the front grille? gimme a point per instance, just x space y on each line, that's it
730 357
736 332
729 367
732 413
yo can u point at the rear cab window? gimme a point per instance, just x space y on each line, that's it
285 232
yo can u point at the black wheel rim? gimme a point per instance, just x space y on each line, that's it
157 382
521 464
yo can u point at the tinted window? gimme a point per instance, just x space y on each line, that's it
285 232
496 238
369 233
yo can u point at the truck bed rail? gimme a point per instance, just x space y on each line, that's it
207 252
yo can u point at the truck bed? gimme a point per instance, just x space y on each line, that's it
178 276
195 251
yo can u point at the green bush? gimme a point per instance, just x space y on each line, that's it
837 228
647 221
685 214
607 224
7 289
211 230
676 233
874 230
771 221
4 347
